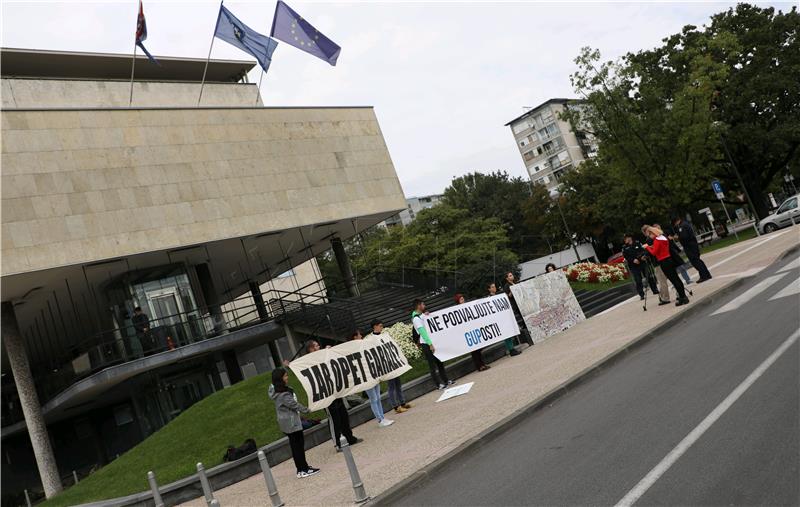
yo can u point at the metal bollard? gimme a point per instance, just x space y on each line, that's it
207 492
75 476
272 489
151 478
358 485
27 498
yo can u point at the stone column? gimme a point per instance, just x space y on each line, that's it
263 314
210 296
37 429
344 266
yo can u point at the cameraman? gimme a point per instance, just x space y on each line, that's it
636 257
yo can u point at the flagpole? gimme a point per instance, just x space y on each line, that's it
133 63
258 90
214 36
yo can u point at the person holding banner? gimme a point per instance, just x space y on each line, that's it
509 342
420 334
396 398
511 280
288 411
374 394
477 356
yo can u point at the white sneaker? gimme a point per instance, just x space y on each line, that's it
441 386
385 423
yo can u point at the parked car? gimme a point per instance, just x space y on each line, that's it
787 214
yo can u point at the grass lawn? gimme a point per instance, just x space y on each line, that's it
597 286
201 433
748 233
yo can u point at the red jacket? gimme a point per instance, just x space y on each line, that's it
660 248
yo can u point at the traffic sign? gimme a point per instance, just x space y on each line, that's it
717 186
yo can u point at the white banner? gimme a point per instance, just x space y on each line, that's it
547 304
461 329
348 368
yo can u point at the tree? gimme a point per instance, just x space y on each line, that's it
495 195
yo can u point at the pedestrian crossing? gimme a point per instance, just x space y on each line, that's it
789 290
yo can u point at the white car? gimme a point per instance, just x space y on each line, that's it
788 213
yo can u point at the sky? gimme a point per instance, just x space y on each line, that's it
444 77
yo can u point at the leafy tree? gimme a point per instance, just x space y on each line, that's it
495 195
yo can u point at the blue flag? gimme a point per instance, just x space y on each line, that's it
291 28
236 33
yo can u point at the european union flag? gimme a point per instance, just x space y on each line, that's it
236 33
291 28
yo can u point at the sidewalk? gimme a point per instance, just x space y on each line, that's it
429 431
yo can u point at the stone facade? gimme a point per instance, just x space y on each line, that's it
85 185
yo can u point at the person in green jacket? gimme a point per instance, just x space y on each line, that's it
425 343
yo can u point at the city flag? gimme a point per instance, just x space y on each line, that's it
236 33
291 28
141 33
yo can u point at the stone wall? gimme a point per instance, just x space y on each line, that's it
85 185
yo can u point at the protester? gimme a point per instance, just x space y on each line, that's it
420 334
509 342
550 268
663 284
510 280
660 250
675 252
688 240
636 257
374 394
338 418
477 356
288 411
396 398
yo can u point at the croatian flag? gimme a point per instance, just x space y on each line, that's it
141 33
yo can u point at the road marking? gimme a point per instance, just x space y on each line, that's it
750 293
792 265
790 290
665 464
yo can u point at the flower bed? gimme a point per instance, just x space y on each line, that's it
596 273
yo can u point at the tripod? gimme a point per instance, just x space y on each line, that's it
648 275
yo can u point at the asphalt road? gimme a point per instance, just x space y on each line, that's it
595 444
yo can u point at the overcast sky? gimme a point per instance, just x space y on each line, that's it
444 78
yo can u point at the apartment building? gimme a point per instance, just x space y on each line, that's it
413 206
549 146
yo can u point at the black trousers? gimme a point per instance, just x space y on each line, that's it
298 446
340 421
477 358
637 277
699 265
434 364
668 267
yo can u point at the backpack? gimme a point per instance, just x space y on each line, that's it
234 453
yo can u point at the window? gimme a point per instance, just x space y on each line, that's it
123 415
563 157
286 274
547 115
528 155
788 205
520 127
523 142
540 181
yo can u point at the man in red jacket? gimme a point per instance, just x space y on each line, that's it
660 250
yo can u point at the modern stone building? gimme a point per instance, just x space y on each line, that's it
207 218
549 146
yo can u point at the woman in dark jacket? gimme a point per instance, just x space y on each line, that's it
477 356
288 411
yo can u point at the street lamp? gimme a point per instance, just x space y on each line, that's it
789 179
557 194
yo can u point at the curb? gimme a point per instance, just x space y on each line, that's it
486 436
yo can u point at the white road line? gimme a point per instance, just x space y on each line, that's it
665 464
790 290
792 265
750 293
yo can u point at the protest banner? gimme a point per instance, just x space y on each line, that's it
461 329
547 305
348 368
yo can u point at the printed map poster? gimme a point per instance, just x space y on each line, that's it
547 304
